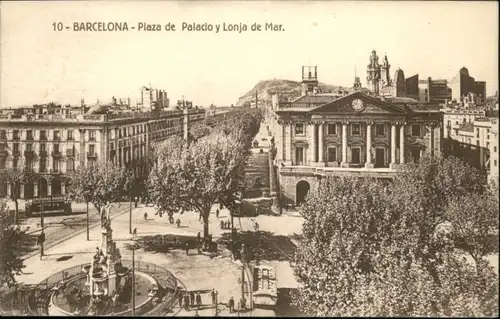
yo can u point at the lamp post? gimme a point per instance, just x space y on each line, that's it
88 235
133 281
42 224
130 215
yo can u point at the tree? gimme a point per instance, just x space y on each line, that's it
370 250
197 176
10 240
15 177
474 220
99 184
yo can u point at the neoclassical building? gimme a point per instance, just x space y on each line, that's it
357 134
53 145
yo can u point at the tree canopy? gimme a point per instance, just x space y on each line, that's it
16 177
98 184
194 176
370 250
10 241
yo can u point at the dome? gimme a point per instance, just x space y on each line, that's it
399 76
464 71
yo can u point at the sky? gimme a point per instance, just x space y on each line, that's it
40 65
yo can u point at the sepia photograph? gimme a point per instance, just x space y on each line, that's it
249 158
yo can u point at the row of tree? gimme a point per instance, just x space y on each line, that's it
371 249
209 168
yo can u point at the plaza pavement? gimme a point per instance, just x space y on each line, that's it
194 271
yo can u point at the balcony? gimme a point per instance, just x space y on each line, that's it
29 153
29 138
55 171
16 153
4 153
43 153
70 153
15 138
42 169
92 139
91 155
43 137
56 138
56 154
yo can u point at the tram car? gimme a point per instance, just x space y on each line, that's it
48 205
265 290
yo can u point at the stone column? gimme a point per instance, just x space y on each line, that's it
369 163
21 191
344 145
290 140
35 189
393 145
321 144
63 187
312 144
49 187
402 143
9 189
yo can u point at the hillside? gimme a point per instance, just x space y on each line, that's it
265 88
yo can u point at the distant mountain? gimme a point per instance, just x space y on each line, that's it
265 89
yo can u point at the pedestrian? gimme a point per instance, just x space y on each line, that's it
136 201
146 216
231 305
221 224
187 248
214 302
134 233
181 297
256 226
221 206
198 237
186 301
198 299
178 223
175 241
217 213
191 295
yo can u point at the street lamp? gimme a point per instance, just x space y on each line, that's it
42 235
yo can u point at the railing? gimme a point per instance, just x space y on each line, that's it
91 154
56 154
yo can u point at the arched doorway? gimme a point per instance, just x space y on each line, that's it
56 186
29 191
302 191
43 187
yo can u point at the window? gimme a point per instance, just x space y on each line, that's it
332 129
15 134
332 154
2 147
43 135
355 155
29 134
29 147
42 147
70 135
449 123
299 156
15 147
3 135
56 135
43 165
415 130
355 129
299 129
56 148
91 149
70 165
494 149
14 162
55 166
379 129
495 163
91 135
2 162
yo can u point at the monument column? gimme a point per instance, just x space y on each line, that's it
393 145
344 145
321 145
369 163
402 143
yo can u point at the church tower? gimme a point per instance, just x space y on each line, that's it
373 74
385 72
310 84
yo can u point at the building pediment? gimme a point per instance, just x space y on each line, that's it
359 103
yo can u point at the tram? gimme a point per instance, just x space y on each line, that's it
265 290
49 205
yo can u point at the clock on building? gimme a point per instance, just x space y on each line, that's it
357 104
